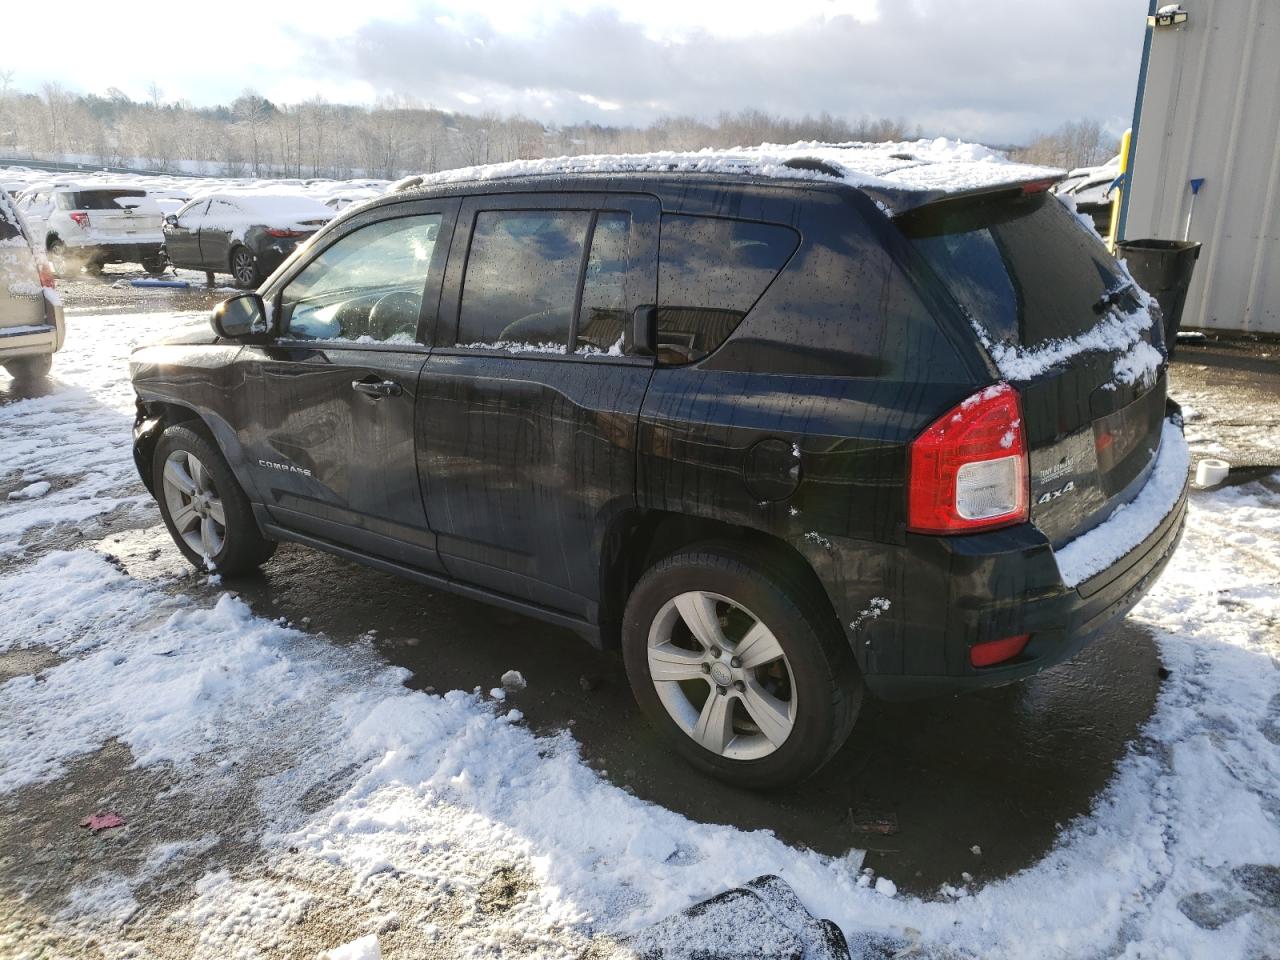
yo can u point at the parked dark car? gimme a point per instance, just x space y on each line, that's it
246 235
745 428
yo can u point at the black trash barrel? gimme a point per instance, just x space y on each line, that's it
1163 268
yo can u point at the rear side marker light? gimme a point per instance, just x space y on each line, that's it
991 652
47 278
968 470
80 218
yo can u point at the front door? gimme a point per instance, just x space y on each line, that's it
182 240
216 229
330 402
528 405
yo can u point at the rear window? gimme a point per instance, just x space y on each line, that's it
1024 269
95 199
711 271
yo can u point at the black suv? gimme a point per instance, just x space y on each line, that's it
780 435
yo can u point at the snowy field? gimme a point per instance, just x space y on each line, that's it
439 825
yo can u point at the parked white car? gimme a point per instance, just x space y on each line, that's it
81 225
31 322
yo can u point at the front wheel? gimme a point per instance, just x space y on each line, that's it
738 661
155 265
207 513
244 268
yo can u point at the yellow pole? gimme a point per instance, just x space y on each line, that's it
1116 194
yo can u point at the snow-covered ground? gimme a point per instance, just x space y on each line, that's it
441 825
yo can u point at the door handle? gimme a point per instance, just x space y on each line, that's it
377 388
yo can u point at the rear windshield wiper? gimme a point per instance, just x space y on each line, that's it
1112 297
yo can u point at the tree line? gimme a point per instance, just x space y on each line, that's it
252 136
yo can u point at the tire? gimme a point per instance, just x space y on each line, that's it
155 265
244 268
233 547
26 369
808 699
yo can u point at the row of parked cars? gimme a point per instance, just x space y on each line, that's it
245 233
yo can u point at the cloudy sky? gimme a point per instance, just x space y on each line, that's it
994 70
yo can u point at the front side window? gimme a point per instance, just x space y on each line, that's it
711 271
521 279
367 287
190 214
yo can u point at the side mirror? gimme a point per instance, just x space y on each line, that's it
171 219
239 317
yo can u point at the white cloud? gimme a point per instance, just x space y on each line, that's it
989 69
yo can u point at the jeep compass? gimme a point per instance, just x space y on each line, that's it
783 429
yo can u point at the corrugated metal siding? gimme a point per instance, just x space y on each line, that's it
1211 108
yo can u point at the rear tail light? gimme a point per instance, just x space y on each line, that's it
991 652
968 470
284 233
47 277
80 218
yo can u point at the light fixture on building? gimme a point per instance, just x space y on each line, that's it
1170 15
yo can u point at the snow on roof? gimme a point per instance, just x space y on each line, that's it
277 204
924 169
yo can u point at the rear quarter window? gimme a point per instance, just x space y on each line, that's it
711 270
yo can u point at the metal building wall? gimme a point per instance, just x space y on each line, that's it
1210 107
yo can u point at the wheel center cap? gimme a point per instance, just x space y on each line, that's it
721 674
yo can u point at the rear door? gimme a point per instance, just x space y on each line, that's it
182 240
1066 324
329 404
528 406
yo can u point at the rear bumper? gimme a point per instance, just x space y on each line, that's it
273 251
950 593
35 339
1061 620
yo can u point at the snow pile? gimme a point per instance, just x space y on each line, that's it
940 165
1132 522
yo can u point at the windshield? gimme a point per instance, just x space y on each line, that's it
1025 269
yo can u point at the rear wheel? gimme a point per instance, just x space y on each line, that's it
244 268
207 513
739 663
30 368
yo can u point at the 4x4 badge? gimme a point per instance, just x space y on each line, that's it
1055 494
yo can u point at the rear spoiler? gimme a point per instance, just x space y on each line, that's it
902 202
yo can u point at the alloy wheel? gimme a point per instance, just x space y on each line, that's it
243 268
194 505
722 675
